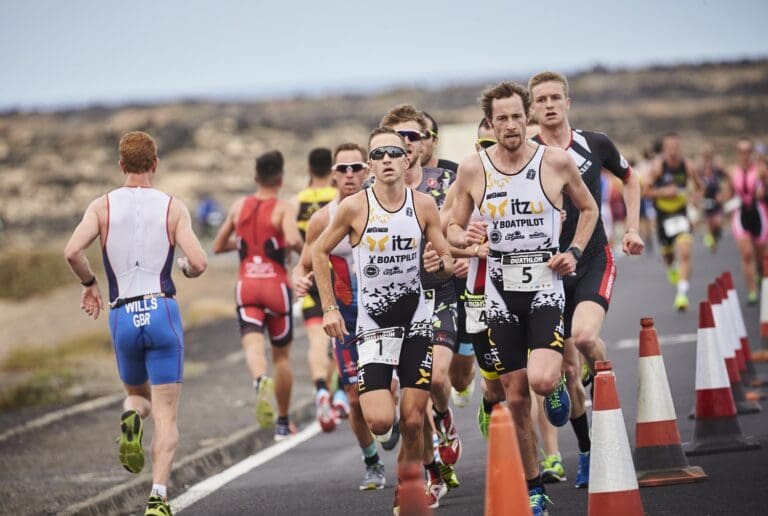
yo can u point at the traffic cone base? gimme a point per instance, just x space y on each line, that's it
743 405
718 436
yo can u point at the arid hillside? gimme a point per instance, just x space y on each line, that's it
52 163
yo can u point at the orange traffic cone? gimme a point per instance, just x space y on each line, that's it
612 480
716 428
410 494
755 380
730 326
761 355
505 489
725 338
659 457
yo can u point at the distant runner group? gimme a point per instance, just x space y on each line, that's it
411 269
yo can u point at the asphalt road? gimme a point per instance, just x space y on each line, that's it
320 476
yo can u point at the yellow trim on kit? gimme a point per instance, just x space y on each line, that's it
488 375
671 204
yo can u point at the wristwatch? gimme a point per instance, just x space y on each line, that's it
575 251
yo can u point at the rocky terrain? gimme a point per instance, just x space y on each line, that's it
53 163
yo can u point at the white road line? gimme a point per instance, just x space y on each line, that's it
202 489
664 340
52 417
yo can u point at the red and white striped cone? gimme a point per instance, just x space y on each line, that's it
659 457
613 485
724 338
756 380
730 325
716 428
761 355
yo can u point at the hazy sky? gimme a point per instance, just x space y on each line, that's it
74 52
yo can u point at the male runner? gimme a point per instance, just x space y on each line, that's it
441 299
749 222
518 187
349 172
667 186
321 190
429 143
714 181
385 224
138 228
588 292
262 228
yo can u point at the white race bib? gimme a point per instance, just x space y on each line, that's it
673 226
429 299
380 346
526 272
474 306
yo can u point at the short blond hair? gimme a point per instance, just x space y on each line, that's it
138 152
547 77
404 113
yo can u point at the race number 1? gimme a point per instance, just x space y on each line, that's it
380 346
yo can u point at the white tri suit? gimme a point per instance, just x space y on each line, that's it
394 328
524 298
144 318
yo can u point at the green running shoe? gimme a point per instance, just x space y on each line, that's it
265 414
129 442
752 298
156 506
673 275
483 420
681 302
552 469
448 474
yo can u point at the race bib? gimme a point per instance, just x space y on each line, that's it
474 306
429 299
380 346
526 272
673 226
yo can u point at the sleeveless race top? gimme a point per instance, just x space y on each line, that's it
387 258
520 217
310 200
343 264
138 255
677 176
745 185
261 246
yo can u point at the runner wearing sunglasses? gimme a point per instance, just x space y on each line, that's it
518 187
385 225
588 292
441 299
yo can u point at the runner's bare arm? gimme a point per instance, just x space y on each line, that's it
74 252
459 233
225 240
340 227
631 243
302 273
290 228
194 261
437 257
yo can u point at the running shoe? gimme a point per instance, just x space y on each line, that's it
710 242
129 442
156 506
326 416
449 446
586 375
681 302
340 403
374 478
394 436
540 502
582 474
552 469
483 420
462 398
752 298
448 474
265 414
673 275
436 489
284 431
558 404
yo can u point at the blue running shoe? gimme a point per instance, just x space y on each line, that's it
558 404
540 502
582 475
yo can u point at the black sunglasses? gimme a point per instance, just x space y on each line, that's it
393 152
486 142
349 167
411 136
